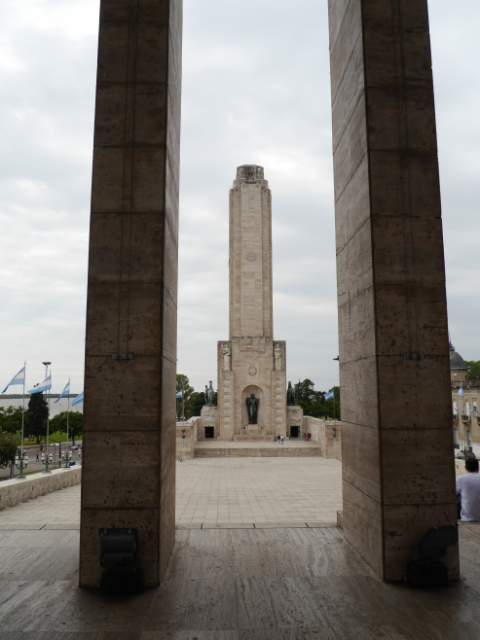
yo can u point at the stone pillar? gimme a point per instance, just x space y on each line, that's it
398 470
129 430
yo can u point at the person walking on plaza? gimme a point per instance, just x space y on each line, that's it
468 490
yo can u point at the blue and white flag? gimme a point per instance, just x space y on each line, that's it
65 392
461 393
19 378
78 399
329 395
46 385
179 394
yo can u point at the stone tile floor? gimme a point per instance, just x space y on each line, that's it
225 491
258 490
272 583
233 584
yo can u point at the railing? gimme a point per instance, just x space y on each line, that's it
465 418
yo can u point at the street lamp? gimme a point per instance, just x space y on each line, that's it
46 460
21 462
67 456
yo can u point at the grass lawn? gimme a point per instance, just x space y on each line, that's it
59 436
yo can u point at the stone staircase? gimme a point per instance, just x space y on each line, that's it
275 451
255 436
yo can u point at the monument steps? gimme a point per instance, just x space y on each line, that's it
278 450
252 435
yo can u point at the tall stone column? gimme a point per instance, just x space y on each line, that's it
398 472
129 429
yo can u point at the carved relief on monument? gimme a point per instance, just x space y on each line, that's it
252 370
278 357
227 356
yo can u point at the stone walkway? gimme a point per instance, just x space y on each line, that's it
219 492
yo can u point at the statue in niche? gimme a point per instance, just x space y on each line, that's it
209 396
291 396
278 357
252 408
226 358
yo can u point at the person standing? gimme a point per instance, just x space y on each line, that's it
468 490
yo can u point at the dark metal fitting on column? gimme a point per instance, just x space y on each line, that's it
120 558
122 356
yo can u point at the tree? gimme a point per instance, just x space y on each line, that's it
184 386
75 424
8 448
313 402
195 403
11 419
473 368
36 415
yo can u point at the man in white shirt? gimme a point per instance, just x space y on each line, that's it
468 488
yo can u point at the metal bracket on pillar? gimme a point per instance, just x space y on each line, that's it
122 356
413 356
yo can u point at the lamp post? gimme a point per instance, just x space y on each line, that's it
46 460
21 462
66 456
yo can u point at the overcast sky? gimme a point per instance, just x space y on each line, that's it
255 90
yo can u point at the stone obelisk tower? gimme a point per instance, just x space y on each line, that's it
251 365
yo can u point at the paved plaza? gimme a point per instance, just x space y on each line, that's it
215 492
258 491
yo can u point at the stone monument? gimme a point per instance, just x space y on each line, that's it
251 364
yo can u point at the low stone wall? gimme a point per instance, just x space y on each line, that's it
327 433
13 492
185 447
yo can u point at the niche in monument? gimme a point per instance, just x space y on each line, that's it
253 413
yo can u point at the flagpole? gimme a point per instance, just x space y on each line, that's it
23 412
68 405
48 415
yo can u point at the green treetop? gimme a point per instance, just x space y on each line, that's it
11 419
473 367
75 424
36 415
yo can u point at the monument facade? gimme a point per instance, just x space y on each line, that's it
251 364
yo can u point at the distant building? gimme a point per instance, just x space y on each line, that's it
465 396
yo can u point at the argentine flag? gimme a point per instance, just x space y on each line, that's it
65 392
179 394
46 385
19 378
78 399
461 393
329 395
